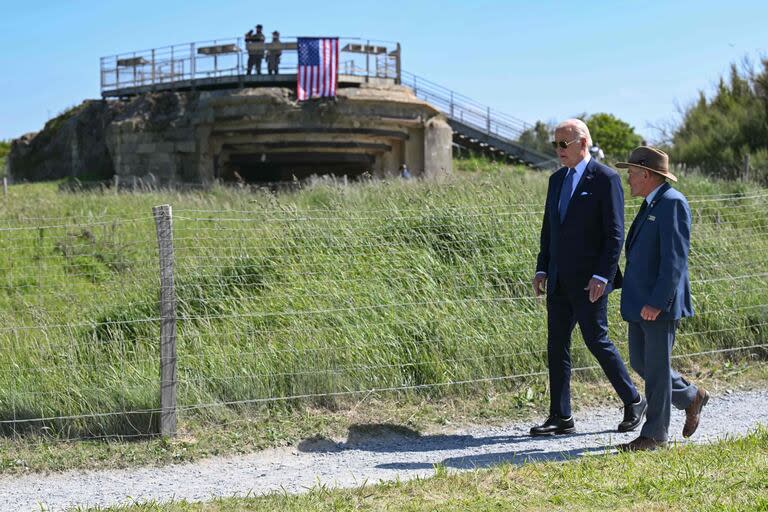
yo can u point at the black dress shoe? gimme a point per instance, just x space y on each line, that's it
633 415
554 425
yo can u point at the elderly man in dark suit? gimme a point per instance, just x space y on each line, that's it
657 294
577 267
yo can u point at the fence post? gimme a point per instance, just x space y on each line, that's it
5 187
745 175
367 62
192 66
173 71
153 69
398 78
162 216
240 63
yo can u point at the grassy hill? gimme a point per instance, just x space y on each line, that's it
315 299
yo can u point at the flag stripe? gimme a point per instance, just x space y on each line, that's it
327 72
321 69
334 65
317 72
302 93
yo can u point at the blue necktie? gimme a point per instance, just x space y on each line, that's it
565 193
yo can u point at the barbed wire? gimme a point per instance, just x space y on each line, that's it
250 286
115 222
442 341
305 396
503 206
331 295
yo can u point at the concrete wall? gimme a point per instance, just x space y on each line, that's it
203 136
438 141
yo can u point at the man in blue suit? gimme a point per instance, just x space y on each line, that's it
657 294
577 267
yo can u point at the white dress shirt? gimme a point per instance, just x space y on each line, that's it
579 172
650 196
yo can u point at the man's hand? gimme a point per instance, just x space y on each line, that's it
539 284
596 289
649 313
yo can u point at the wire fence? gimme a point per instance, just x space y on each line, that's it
239 309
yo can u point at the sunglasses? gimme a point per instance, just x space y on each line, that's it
562 144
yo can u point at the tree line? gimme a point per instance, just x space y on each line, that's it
5 147
725 135
716 135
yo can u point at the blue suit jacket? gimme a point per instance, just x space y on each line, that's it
657 259
589 240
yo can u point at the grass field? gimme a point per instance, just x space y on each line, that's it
302 303
731 475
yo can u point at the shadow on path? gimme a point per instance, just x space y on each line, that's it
390 438
486 460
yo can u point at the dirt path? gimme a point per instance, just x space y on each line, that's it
368 457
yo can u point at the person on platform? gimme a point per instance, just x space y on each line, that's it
254 56
273 56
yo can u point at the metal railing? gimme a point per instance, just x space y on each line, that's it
228 57
184 64
466 110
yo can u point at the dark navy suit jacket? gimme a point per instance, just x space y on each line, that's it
589 240
657 259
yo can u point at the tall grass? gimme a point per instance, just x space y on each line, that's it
314 294
5 147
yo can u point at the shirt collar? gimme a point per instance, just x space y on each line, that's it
650 196
579 169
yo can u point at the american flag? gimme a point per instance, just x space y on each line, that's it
318 67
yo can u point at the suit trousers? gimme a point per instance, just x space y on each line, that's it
565 308
650 354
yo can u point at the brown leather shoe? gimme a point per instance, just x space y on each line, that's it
693 412
641 444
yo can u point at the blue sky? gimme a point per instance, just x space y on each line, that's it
535 60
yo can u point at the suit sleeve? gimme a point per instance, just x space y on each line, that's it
542 261
613 228
674 245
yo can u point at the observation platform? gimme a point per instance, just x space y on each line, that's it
222 64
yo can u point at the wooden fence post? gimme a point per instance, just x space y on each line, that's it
745 174
163 219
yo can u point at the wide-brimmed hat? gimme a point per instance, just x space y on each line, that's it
651 159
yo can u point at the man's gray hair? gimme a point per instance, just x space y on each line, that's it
578 126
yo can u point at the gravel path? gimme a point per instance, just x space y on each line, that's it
368 457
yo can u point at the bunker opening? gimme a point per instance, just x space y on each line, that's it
265 167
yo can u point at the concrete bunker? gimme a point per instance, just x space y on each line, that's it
201 125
